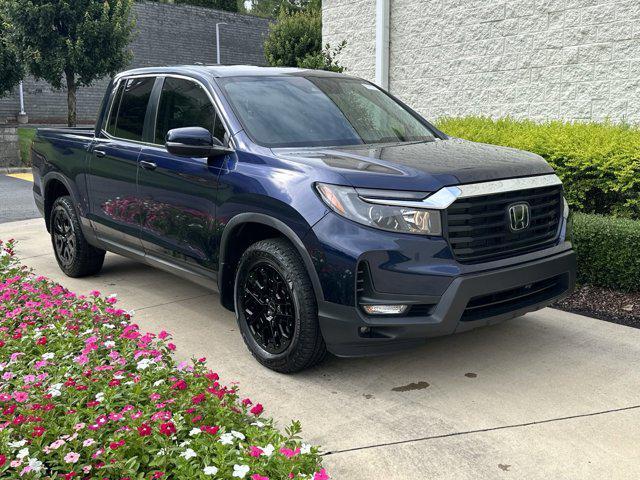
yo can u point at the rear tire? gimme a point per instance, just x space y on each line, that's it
276 307
73 253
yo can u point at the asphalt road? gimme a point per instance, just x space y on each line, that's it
551 395
16 199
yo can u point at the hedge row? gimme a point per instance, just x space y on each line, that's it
608 251
598 162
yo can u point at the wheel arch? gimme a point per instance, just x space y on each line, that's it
55 186
229 255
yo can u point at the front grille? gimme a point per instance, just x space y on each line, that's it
478 227
493 304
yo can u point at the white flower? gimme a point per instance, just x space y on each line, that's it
18 444
268 450
144 363
237 434
240 470
226 439
99 396
158 382
162 452
113 295
210 470
305 448
109 344
22 453
109 326
35 464
258 424
188 453
194 432
185 443
48 355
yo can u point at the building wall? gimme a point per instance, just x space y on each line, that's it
537 59
165 34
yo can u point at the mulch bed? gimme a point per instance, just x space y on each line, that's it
604 304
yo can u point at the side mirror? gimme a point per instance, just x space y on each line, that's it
193 142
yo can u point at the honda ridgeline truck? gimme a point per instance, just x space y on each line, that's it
327 214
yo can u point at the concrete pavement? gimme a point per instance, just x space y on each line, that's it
549 396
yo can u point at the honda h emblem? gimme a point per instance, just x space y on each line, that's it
519 216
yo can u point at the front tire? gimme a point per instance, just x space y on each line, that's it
276 307
73 253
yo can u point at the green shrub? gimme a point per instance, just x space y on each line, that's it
599 163
608 251
25 137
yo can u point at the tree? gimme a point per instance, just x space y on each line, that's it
273 8
292 38
11 69
295 40
227 5
78 40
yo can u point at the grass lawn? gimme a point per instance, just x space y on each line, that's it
25 137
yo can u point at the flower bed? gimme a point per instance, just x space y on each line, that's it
86 394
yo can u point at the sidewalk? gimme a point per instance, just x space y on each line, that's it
550 396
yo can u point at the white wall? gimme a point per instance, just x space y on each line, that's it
538 59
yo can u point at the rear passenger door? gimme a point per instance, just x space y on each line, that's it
178 221
113 165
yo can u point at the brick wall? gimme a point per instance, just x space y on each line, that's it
538 59
165 35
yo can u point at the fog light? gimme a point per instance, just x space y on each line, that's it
385 309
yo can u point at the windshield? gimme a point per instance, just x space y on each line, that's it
319 111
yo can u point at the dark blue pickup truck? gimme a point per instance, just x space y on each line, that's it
327 214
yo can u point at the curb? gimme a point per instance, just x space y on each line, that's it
5 170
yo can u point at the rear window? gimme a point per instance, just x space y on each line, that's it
127 115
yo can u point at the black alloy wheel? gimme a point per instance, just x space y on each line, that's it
75 256
268 308
64 237
276 307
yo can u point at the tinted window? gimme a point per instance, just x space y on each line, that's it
184 103
316 111
129 121
111 127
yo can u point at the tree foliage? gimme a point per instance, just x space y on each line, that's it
295 40
227 5
273 8
79 41
11 69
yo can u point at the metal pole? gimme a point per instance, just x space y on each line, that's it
22 112
218 40
382 43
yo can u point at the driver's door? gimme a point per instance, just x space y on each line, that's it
178 221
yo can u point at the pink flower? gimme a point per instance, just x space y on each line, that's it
71 457
255 476
257 409
255 451
20 396
287 452
321 475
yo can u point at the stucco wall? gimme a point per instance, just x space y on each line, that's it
165 35
538 59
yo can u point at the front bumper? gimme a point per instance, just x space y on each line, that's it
470 301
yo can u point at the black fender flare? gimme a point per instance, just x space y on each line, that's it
46 181
284 229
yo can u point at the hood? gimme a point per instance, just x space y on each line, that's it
424 166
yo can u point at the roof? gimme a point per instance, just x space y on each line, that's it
230 71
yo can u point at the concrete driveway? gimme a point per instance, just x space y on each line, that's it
549 396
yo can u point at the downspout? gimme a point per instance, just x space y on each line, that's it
382 43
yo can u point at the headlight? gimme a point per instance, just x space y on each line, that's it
345 201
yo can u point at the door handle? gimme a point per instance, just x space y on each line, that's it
148 165
100 153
